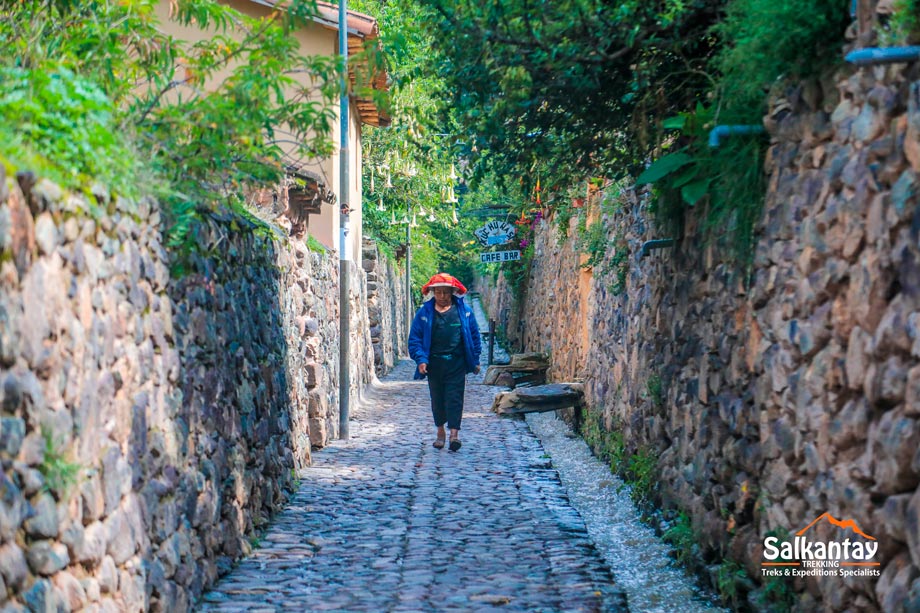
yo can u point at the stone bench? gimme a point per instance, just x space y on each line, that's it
523 369
540 399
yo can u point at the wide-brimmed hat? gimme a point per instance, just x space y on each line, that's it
442 279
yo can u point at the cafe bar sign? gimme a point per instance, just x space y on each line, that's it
489 257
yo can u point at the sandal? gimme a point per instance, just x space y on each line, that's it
438 443
455 444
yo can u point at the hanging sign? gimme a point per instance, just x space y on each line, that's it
495 233
499 256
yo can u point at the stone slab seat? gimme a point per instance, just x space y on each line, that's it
539 399
523 368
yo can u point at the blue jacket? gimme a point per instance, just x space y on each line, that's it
420 335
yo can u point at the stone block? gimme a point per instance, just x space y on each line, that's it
912 393
47 236
131 589
12 433
13 508
893 446
116 478
313 375
856 360
41 597
21 241
93 546
44 520
46 557
31 479
894 585
893 516
317 432
92 496
13 566
119 540
74 595
108 576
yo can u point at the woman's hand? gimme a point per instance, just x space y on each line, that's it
423 368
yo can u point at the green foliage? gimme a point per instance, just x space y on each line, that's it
560 90
641 472
682 538
100 91
729 575
411 169
582 89
609 258
517 274
766 42
655 390
777 595
902 27
59 473
592 241
728 180
563 217
314 245
62 125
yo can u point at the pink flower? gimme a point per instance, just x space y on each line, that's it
524 243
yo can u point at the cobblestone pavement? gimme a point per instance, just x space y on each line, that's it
385 522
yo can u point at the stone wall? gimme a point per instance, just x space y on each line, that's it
151 421
386 308
774 397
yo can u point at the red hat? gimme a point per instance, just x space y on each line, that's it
442 279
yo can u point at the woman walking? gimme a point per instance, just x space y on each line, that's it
445 343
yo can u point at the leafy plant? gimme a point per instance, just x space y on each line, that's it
729 575
641 472
902 27
681 536
100 91
314 245
766 43
65 128
776 595
655 390
59 473
729 180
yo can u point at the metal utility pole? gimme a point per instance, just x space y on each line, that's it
344 252
408 275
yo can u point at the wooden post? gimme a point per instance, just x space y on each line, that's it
491 341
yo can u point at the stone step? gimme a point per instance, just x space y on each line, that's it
539 399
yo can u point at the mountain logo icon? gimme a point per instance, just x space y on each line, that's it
847 524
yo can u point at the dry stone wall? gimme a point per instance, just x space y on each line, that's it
386 308
772 397
151 422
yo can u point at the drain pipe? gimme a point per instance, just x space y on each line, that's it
720 132
883 55
658 243
344 252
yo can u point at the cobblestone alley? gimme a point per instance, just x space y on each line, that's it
385 522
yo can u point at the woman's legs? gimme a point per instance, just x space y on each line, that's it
446 385
436 391
454 387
